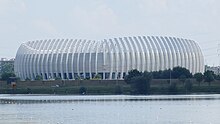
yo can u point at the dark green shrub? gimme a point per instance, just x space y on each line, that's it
118 90
82 90
188 86
38 78
209 77
173 88
57 78
6 76
29 91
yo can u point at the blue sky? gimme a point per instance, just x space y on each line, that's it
28 20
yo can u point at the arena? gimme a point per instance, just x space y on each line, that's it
71 59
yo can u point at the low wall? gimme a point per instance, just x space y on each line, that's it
154 82
70 83
100 87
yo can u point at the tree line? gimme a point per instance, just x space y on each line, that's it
140 81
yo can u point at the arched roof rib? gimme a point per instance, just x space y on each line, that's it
112 58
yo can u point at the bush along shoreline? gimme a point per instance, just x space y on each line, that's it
176 81
155 87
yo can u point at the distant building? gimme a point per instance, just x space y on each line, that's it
215 69
110 59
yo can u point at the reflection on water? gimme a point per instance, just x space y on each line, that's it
180 109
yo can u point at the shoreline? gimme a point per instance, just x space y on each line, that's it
106 87
39 99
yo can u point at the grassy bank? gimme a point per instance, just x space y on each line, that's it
107 87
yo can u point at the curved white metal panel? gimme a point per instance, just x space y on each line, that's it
112 59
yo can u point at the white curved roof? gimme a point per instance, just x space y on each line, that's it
114 56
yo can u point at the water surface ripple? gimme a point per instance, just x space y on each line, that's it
121 109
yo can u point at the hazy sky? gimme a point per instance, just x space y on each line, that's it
28 20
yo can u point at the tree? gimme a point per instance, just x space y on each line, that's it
132 74
209 76
157 74
57 78
7 70
188 86
182 78
38 78
140 82
148 76
217 77
6 76
140 85
199 77
178 71
98 77
174 74
166 74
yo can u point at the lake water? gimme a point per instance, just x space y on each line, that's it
164 109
